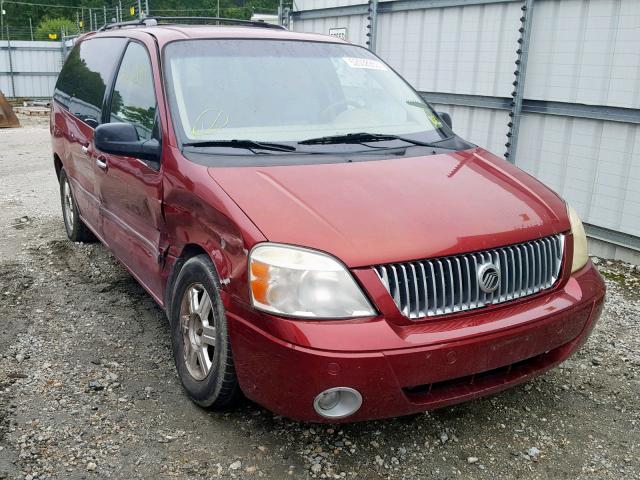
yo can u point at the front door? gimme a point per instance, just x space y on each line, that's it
131 188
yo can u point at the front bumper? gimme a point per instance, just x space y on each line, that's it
403 369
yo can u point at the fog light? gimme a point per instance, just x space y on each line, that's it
328 400
338 402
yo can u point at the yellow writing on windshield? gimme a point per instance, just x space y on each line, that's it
209 121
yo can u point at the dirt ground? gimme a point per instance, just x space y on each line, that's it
71 315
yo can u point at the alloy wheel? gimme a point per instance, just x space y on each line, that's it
197 324
67 204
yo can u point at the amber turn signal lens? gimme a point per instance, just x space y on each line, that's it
259 281
259 269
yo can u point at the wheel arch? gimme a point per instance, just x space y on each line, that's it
57 163
188 251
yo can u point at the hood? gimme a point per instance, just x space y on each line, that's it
399 209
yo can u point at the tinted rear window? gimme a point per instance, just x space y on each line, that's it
83 79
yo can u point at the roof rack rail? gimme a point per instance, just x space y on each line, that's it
153 21
146 22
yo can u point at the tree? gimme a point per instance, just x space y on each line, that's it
51 28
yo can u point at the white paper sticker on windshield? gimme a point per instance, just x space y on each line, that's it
365 63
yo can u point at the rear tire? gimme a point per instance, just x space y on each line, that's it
76 229
199 336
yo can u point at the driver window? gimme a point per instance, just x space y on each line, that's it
133 100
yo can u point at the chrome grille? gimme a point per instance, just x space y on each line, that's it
426 288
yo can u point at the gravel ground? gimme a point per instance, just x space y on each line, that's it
88 388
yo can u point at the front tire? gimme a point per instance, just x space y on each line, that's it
199 336
76 229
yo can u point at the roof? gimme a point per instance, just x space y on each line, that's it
167 33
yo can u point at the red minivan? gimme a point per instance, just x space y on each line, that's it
320 239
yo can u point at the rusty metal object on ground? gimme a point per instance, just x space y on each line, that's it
8 119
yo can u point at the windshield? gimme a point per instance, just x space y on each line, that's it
288 91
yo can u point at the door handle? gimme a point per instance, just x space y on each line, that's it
101 162
85 149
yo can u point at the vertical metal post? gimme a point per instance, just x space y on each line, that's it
104 14
146 7
372 26
63 49
120 7
520 73
31 28
13 84
218 14
95 20
90 21
286 17
139 9
1 19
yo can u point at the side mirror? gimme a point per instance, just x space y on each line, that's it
122 139
446 118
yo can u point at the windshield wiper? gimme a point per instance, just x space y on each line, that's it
246 144
363 137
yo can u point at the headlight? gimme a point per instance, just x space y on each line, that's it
580 254
298 282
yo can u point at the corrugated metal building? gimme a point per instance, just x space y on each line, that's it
578 74
32 68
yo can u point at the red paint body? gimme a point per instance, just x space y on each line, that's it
364 213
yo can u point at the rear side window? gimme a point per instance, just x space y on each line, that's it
134 100
84 77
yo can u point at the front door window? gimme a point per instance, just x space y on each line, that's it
133 99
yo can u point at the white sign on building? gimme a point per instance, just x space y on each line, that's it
340 32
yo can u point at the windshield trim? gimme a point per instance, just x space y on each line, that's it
181 138
286 159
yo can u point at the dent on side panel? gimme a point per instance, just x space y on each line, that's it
200 213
